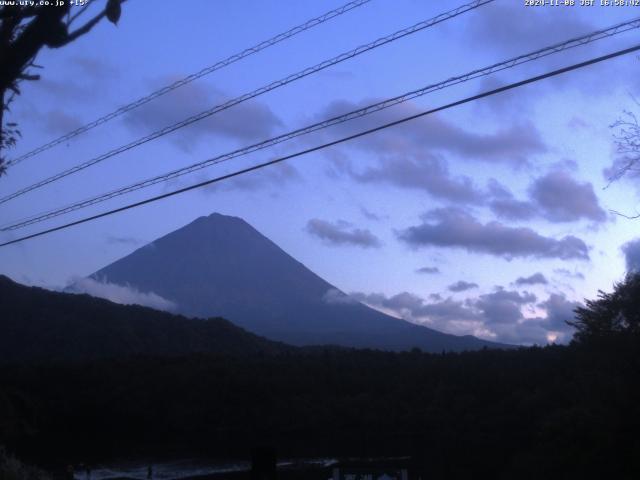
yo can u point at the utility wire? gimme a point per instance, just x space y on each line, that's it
194 76
510 63
260 91
488 93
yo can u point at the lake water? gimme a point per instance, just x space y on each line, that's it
185 468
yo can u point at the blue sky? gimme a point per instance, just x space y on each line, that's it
489 219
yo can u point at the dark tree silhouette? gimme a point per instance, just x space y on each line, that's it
611 314
24 31
627 142
627 147
140 382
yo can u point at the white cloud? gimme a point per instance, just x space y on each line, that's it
333 296
123 294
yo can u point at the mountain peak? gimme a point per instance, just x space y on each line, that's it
216 224
219 265
217 217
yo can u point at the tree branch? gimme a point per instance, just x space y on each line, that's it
81 11
86 28
629 217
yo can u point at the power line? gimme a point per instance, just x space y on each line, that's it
260 91
334 142
510 63
194 76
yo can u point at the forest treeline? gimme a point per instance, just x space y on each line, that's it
505 413
558 411
38 325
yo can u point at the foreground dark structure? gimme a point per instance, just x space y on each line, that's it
563 412
503 413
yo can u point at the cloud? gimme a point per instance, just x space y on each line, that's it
428 270
342 233
512 209
95 67
508 27
59 122
274 176
563 199
426 173
454 228
556 197
631 252
69 91
461 286
248 121
431 134
406 305
495 316
123 294
503 306
535 279
333 296
559 311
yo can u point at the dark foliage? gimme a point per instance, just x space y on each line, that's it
615 314
566 411
40 325
554 412
25 29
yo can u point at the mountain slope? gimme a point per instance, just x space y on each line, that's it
38 324
221 266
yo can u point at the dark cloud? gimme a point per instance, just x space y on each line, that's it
95 68
452 227
276 175
559 311
512 144
504 205
535 279
447 310
426 173
631 252
510 27
69 91
342 233
496 315
413 307
59 122
563 199
512 209
461 286
556 197
248 121
428 270
503 306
